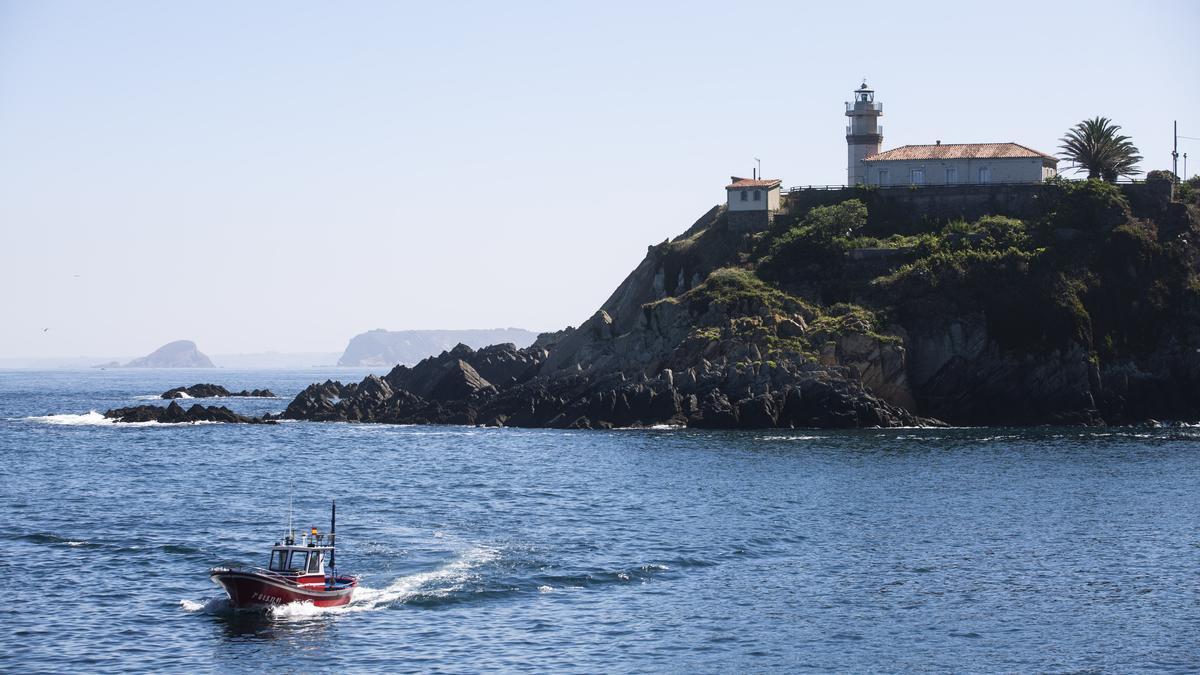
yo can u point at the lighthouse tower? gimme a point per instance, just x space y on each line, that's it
864 135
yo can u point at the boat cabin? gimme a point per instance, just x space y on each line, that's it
303 558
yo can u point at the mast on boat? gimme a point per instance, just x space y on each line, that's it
291 535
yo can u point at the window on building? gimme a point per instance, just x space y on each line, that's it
951 175
985 174
745 196
883 176
917 176
758 195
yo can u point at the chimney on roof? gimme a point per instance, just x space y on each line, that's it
937 142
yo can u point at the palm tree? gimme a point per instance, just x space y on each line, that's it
1096 146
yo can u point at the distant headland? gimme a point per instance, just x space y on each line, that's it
383 347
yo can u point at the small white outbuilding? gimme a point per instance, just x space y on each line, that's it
752 203
753 194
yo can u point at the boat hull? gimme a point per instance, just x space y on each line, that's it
248 589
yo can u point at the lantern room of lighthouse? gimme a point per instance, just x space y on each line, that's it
864 135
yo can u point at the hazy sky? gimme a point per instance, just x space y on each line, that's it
280 176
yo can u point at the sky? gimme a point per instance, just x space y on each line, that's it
279 176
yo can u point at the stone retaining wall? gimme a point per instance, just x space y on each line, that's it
919 209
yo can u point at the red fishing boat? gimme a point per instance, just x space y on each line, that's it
296 572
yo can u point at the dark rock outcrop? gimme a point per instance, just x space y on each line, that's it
214 391
176 414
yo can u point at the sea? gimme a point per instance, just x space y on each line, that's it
530 550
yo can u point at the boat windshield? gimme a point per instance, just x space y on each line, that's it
278 558
299 561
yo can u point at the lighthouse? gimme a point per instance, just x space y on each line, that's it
864 135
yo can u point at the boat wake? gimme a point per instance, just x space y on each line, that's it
439 582
210 606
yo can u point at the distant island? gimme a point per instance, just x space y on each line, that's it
178 354
385 348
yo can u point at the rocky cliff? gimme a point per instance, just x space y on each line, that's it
1082 312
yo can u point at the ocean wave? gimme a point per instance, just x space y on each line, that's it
54 539
789 438
642 573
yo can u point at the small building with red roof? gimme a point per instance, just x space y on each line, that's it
753 194
752 202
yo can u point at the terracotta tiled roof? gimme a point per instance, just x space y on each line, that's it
959 151
739 183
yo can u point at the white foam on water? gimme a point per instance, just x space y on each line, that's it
148 397
545 589
789 438
95 419
88 419
210 606
76 543
437 582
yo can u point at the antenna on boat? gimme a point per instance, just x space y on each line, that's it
332 534
291 532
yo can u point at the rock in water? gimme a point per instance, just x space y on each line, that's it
214 391
178 354
176 414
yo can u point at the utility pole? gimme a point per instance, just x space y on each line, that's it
1175 154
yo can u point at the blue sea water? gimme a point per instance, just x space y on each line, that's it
559 551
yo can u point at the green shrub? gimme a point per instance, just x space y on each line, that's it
817 242
844 319
1001 232
742 290
1186 192
821 226
1084 205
